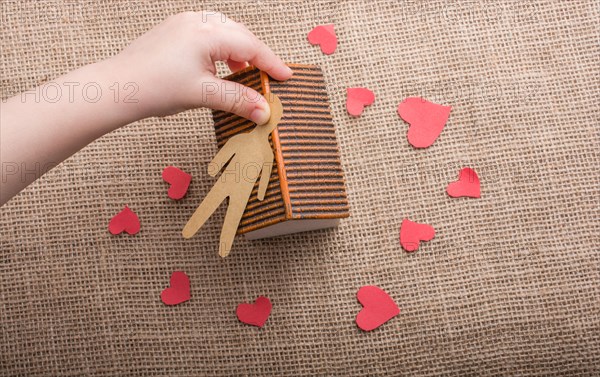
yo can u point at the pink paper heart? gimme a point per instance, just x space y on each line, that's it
124 221
378 308
357 99
411 234
255 314
426 119
178 290
179 180
467 185
324 36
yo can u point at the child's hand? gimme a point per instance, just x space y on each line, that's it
173 66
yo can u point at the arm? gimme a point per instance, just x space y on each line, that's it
224 154
169 69
265 175
42 127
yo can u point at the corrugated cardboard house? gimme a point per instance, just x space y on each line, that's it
306 190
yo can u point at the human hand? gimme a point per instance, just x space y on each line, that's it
173 66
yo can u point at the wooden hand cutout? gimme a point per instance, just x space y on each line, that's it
249 155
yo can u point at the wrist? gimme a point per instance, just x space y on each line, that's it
121 91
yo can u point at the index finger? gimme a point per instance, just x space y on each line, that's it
263 58
266 60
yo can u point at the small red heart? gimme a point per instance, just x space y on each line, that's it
255 314
378 308
324 35
357 99
178 291
426 119
467 185
179 180
411 234
124 221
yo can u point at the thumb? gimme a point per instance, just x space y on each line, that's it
235 98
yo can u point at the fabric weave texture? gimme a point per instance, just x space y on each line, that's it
510 285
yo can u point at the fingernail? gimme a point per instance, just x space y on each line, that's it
260 115
290 72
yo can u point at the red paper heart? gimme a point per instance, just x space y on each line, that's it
378 308
357 99
411 234
124 221
178 291
179 180
467 185
324 35
255 314
426 119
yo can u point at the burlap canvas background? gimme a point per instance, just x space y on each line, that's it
510 285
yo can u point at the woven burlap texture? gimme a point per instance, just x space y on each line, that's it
510 285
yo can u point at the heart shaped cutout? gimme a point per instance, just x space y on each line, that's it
124 221
467 185
378 308
178 290
179 180
255 314
357 99
324 36
426 120
411 234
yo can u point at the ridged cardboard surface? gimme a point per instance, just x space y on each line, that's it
308 181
